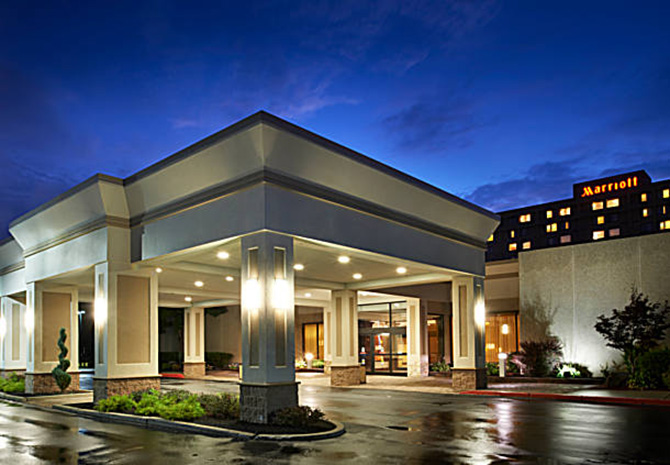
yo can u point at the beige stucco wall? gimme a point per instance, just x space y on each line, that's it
56 308
564 289
133 320
223 333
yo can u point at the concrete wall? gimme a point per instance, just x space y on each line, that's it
502 286
223 333
563 290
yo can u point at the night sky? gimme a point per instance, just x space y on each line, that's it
503 103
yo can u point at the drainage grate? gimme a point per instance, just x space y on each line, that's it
399 428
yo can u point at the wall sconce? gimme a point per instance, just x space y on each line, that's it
505 328
29 320
480 314
281 295
100 312
252 294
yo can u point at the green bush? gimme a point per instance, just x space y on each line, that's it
121 403
187 409
440 367
572 370
298 417
219 360
223 406
538 358
651 369
13 384
318 363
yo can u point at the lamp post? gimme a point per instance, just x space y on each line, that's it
502 359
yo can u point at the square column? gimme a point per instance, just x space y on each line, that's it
46 313
327 351
469 318
343 324
417 363
268 315
12 336
126 331
194 342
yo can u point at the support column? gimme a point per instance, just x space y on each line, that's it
417 363
469 318
126 331
12 336
194 342
345 369
268 317
46 313
327 350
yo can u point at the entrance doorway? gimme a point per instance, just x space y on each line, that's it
382 337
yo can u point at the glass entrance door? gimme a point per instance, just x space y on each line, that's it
383 351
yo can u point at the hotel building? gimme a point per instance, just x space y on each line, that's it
553 267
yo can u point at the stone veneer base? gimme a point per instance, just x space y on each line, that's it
106 387
44 383
345 376
258 401
8 371
468 379
194 369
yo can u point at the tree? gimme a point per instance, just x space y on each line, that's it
636 329
59 373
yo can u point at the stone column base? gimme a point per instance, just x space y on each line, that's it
44 383
258 401
345 376
5 373
106 387
468 379
194 369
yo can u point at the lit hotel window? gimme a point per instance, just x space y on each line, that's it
598 235
615 232
597 205
611 203
511 234
550 214
666 193
567 225
524 218
526 245
512 247
601 220
643 197
645 212
565 211
553 227
665 225
566 239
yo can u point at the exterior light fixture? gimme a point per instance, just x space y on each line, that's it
281 298
188 299
252 295
357 276
505 328
230 279
159 269
343 259
298 267
480 314
308 294
309 357
502 362
29 320
223 255
100 311
401 270
199 284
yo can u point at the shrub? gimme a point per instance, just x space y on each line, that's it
538 358
13 384
300 364
298 417
59 372
635 330
493 368
187 409
219 360
120 403
573 370
440 367
318 363
651 368
223 406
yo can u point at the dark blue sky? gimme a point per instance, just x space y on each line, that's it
503 103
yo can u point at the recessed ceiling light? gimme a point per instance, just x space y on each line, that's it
401 270
298 267
223 255
357 276
308 294
159 270
230 278
343 259
188 299
199 284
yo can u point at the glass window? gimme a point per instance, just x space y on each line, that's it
565 211
524 218
553 227
526 245
501 335
511 234
566 239
600 220
611 203
615 232
665 225
645 212
512 247
567 225
399 315
490 239
373 316
666 193
550 214
597 205
643 197
312 340
598 235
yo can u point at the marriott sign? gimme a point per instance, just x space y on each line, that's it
612 184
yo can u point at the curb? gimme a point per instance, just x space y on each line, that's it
570 398
192 428
13 398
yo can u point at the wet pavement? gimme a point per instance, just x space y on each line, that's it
383 427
